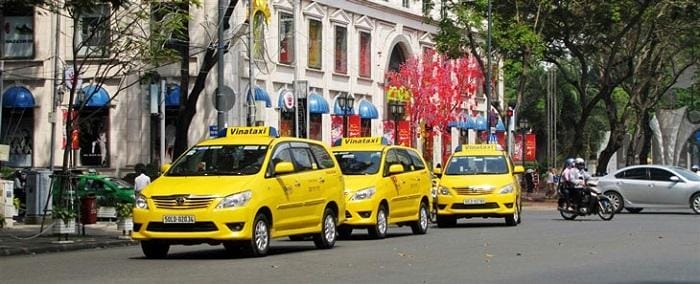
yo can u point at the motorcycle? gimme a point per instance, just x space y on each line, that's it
590 201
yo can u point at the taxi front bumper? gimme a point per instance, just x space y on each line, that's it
486 205
361 213
208 224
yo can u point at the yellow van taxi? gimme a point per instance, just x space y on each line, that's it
384 185
242 190
479 180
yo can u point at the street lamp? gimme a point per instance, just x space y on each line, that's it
396 108
346 101
524 125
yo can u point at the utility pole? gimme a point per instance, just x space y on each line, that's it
56 88
296 67
220 113
488 75
250 97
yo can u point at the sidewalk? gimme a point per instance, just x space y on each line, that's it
22 239
538 200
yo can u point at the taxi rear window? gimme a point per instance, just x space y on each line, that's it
477 165
359 162
220 160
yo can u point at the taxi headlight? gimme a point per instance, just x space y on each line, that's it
235 200
507 189
366 193
141 202
444 190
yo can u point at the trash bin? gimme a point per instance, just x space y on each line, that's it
88 210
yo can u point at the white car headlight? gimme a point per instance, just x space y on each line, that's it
507 189
141 202
444 190
366 193
235 200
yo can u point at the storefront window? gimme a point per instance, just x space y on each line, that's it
365 55
93 32
287 124
94 139
17 36
17 131
341 50
315 36
315 126
366 127
286 38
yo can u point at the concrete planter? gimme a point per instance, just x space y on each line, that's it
125 224
63 228
106 212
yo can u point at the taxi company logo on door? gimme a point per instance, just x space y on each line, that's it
249 131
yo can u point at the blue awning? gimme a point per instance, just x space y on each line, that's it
337 110
261 95
367 110
172 97
317 104
500 126
96 96
18 97
480 123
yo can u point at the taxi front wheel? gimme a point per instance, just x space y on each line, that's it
326 238
420 227
259 243
378 231
155 249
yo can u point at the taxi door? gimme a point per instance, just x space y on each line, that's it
399 205
285 191
411 175
310 191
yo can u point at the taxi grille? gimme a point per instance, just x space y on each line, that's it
471 191
182 202
490 205
196 227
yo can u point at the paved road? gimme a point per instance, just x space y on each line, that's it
652 247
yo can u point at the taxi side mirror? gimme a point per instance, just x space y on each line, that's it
164 168
437 171
396 169
283 168
518 170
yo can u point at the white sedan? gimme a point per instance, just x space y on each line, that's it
652 186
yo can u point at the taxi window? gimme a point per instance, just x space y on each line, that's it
282 154
477 165
391 158
220 160
359 162
417 161
405 160
322 157
118 182
303 159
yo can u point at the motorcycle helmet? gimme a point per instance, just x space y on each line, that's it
570 163
580 163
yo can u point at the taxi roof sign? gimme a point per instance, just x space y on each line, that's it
258 131
479 147
376 140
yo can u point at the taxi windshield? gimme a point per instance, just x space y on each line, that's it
220 160
477 165
119 182
359 162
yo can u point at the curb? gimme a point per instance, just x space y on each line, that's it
52 247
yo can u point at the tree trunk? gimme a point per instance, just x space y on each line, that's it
635 141
647 136
183 124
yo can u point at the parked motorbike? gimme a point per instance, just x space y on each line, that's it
590 201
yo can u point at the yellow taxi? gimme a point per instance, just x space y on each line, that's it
384 185
242 190
479 180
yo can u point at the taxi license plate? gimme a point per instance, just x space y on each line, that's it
474 201
178 219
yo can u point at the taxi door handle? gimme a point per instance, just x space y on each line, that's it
297 183
322 180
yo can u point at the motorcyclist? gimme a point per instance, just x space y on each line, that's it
568 177
580 177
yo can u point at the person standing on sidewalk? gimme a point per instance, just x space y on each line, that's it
141 180
551 184
529 183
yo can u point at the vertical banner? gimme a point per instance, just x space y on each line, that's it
530 146
404 135
517 148
336 129
501 137
389 131
354 127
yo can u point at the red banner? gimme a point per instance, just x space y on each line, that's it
404 133
517 147
354 127
389 131
530 146
336 129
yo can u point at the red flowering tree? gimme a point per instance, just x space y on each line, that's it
438 88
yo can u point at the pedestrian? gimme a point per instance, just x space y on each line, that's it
551 183
141 180
529 183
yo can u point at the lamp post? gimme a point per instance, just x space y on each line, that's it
524 125
346 101
396 109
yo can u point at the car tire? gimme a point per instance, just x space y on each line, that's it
259 244
344 231
378 231
326 238
155 249
695 203
634 210
616 200
446 222
514 219
420 226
